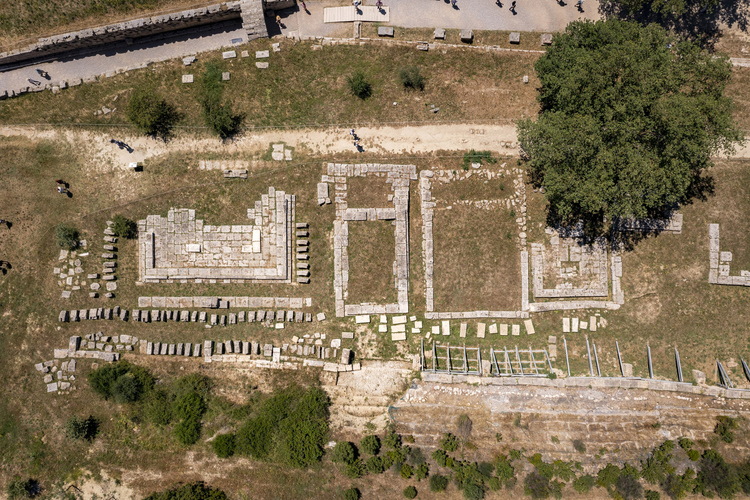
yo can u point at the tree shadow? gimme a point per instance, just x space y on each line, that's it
696 23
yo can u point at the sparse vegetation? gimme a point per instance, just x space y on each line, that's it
724 428
81 428
411 78
579 446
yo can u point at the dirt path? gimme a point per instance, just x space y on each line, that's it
382 140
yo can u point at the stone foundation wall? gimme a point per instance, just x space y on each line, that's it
138 28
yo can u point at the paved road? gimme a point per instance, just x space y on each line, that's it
110 57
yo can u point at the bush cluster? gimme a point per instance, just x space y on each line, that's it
290 426
122 381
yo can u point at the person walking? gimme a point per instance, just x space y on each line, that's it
453 3
304 7
513 6
379 4
278 21
61 190
579 4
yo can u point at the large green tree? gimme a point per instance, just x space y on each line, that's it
151 114
665 7
630 118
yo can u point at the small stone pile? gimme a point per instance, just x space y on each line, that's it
69 274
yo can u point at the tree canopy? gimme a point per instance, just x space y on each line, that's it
675 7
630 118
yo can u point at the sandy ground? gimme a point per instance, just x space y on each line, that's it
381 140
384 140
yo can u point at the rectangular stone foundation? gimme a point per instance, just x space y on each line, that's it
181 247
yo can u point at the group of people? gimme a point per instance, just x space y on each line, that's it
62 187
42 73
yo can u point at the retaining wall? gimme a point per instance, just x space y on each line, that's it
594 382
137 28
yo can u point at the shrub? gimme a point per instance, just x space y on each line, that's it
359 86
715 475
579 446
150 113
473 490
411 78
657 466
694 455
449 443
22 488
724 427
157 408
67 236
607 477
370 445
192 491
685 443
81 428
505 471
352 494
464 426
124 227
224 445
188 431
410 492
407 471
392 441
422 471
355 470
676 486
344 453
438 483
106 382
374 465
189 406
440 457
494 484
415 456
584 483
255 437
627 484
652 495
536 486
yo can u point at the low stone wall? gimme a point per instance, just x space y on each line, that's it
127 30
